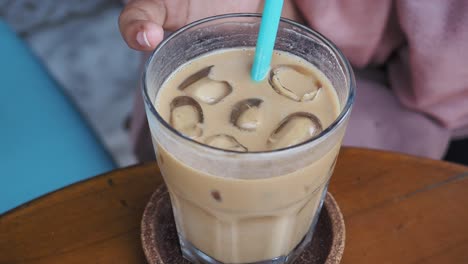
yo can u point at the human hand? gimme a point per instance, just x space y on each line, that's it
142 22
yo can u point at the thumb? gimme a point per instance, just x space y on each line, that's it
141 22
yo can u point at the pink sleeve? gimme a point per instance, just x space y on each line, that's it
356 26
430 73
422 46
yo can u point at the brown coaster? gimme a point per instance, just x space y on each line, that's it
161 244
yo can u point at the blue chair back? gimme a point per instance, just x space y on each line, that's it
45 144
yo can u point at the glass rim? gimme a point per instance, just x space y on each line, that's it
333 126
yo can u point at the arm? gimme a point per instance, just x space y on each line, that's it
421 46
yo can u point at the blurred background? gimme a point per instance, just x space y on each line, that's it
79 43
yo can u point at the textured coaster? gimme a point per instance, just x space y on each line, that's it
161 243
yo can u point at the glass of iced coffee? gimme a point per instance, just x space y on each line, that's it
247 164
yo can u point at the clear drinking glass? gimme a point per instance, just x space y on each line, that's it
255 207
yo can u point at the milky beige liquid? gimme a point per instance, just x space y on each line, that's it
246 220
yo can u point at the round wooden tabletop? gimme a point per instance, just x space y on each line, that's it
397 209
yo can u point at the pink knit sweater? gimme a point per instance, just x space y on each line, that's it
419 98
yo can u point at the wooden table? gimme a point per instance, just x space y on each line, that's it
397 209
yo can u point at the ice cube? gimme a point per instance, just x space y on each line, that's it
201 87
224 141
246 114
195 77
294 129
295 82
187 116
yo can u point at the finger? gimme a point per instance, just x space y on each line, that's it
141 24
142 35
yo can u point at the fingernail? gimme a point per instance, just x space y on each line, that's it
142 39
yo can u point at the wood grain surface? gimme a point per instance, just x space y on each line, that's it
397 209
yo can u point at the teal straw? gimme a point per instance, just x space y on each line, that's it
266 39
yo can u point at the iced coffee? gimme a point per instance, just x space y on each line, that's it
246 163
